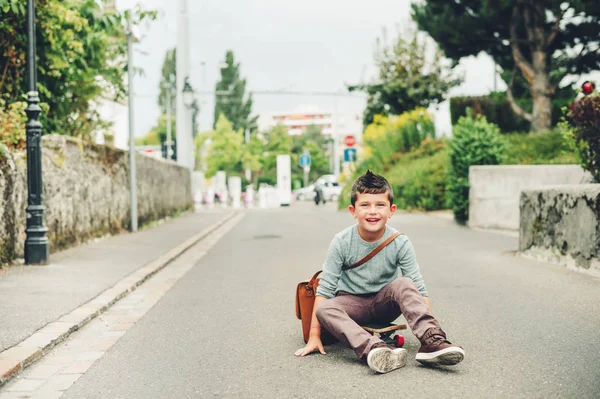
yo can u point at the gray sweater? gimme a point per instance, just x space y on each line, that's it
347 247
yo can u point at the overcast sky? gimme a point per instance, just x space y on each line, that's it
305 45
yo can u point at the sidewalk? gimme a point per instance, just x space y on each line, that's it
32 297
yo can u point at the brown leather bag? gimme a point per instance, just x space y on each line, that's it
307 290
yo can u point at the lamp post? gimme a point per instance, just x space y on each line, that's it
168 93
188 93
188 101
36 242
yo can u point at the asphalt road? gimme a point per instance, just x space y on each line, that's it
228 328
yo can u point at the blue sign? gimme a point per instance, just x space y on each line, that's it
349 154
304 160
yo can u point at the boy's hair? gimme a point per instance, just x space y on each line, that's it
370 183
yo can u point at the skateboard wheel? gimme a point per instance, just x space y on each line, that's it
399 340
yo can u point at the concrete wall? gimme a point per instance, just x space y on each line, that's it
86 192
495 190
561 224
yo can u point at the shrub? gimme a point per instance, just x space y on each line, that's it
584 116
419 178
12 124
538 149
496 108
474 142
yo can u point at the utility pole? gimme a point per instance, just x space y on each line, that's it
336 144
132 174
183 116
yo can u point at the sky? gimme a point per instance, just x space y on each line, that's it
308 45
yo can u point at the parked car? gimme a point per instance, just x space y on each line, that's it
331 191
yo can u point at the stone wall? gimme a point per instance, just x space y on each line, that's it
561 224
495 190
86 192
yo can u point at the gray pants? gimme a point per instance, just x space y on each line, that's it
343 315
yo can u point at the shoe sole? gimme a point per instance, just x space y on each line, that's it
445 357
383 360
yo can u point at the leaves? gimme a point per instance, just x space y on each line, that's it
81 55
474 142
230 96
406 79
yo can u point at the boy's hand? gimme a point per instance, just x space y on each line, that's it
312 345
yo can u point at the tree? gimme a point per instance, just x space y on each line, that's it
542 41
405 79
81 50
278 142
252 155
168 78
225 151
230 96
316 143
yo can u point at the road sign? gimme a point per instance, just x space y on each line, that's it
349 154
349 140
305 159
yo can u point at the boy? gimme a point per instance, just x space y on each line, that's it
373 292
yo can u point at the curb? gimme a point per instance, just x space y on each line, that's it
15 359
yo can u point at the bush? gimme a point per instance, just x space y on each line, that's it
584 115
12 124
386 137
496 108
419 179
538 149
474 142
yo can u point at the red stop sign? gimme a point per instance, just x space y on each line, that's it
349 140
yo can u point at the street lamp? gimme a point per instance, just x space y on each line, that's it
188 94
36 242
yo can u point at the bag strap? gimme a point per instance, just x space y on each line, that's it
373 252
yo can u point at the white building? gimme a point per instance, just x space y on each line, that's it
298 120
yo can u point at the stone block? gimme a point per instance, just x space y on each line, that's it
495 190
562 224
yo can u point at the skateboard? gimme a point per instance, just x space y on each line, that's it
387 332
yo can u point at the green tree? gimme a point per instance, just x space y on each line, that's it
158 134
317 145
252 153
81 52
406 79
225 150
540 41
230 96
168 78
279 142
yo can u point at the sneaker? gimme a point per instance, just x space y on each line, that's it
383 358
437 350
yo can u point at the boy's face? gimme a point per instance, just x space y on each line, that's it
372 212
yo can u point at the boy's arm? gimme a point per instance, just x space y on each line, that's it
314 337
332 270
407 262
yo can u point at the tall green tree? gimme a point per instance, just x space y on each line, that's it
168 79
225 150
405 79
230 96
540 41
81 53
